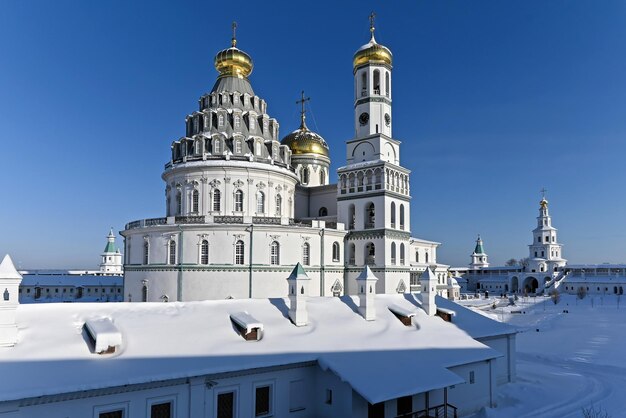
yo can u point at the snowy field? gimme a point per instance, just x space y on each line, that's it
565 361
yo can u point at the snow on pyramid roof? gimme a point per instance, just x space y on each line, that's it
7 269
367 274
428 274
298 273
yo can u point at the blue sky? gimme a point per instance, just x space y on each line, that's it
493 100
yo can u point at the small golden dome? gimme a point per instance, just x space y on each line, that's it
233 62
543 203
372 52
303 141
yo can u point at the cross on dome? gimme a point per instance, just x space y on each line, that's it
302 102
234 39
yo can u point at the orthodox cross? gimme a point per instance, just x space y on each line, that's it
543 192
302 101
372 16
234 40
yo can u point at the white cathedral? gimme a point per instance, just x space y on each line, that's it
244 206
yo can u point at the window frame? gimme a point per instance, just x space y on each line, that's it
262 384
112 407
227 389
171 399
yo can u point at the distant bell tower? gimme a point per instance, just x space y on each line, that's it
479 257
545 251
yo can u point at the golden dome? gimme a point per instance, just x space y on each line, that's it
372 52
303 141
543 203
233 62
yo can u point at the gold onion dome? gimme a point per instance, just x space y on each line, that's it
543 203
233 62
372 52
303 141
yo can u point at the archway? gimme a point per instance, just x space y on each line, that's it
530 285
515 284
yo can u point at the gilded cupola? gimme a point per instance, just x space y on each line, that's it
372 51
304 141
233 62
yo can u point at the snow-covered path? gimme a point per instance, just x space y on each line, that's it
566 361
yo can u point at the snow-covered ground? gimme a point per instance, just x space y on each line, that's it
566 361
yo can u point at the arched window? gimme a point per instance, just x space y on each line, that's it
260 202
238 201
393 253
393 214
426 257
179 204
279 205
306 254
351 217
322 177
239 248
195 197
402 254
351 258
172 252
401 216
237 121
220 119
305 175
238 147
370 253
387 83
370 216
146 252
336 250
417 256
323 211
144 293
216 146
363 83
6 295
376 82
217 200
204 252
275 253
257 148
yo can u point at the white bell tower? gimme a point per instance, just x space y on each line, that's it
10 281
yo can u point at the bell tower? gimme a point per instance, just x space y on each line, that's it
373 192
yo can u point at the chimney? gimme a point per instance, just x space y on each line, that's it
366 284
429 290
10 281
298 290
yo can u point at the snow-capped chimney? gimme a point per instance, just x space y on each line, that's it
429 290
10 281
298 290
366 284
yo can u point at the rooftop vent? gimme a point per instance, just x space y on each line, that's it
248 327
103 335
404 315
446 314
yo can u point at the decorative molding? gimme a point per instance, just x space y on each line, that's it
215 183
279 188
238 183
226 179
260 185
250 181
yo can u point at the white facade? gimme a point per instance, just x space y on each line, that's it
243 208
10 281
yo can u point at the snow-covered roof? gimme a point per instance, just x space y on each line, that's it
7 269
71 280
400 310
596 266
245 320
163 341
476 325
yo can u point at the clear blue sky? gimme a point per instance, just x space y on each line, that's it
493 100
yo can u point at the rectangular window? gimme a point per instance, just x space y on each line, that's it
112 414
252 124
404 405
238 146
262 401
161 410
329 397
472 378
226 405
376 410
